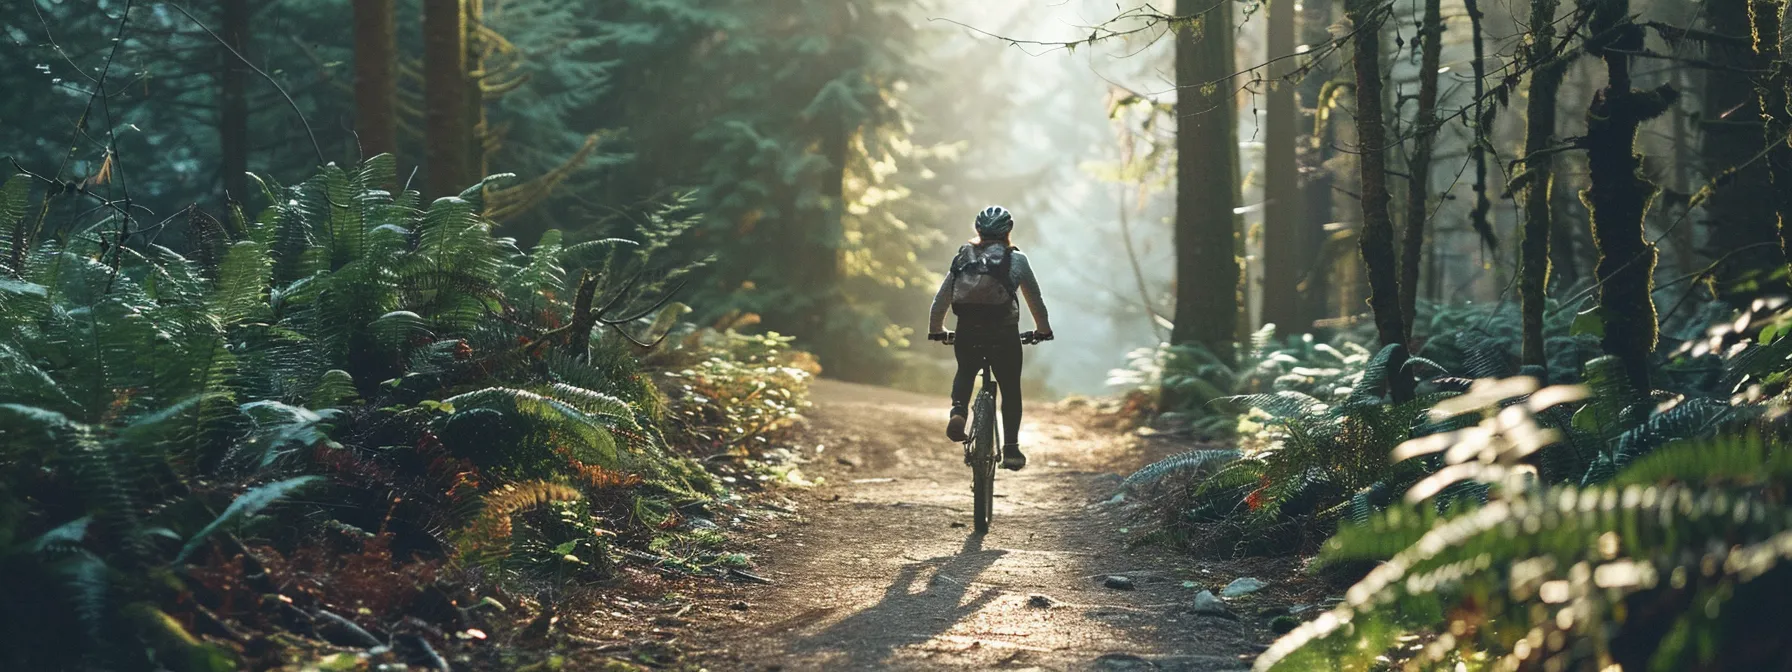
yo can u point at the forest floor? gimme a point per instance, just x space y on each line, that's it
878 568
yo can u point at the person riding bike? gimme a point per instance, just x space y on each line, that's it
982 287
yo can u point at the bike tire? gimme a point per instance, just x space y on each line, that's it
983 459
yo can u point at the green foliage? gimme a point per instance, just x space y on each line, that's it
1663 565
729 392
1303 463
395 358
1196 381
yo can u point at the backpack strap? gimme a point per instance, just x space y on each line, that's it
966 254
1007 274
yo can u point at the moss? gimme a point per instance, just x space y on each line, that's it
1618 195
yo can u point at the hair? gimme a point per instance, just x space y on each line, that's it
1006 239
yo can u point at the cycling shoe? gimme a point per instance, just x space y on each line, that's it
955 427
1012 458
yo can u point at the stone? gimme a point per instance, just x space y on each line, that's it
1118 582
1242 586
1206 604
1041 601
1123 661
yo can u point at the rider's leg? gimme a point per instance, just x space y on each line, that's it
1006 361
969 363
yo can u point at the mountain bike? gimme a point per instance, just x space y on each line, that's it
980 452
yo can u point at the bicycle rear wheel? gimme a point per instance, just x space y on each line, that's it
983 456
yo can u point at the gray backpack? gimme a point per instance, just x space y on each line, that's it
983 278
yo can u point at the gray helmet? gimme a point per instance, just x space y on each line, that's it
994 221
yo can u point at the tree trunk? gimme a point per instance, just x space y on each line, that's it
1377 237
233 101
1207 272
1477 217
1764 24
376 81
829 235
1618 195
1729 123
448 135
479 134
1318 188
1431 32
1538 178
1283 258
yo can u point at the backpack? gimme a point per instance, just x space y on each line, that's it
983 279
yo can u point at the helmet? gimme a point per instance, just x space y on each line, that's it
994 222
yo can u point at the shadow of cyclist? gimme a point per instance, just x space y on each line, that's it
901 618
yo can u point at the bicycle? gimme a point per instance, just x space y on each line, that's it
980 452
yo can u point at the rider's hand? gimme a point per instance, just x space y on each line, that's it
944 337
1042 336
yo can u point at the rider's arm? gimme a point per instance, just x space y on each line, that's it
1029 289
942 300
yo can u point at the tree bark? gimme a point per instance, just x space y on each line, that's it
233 101
1318 189
1207 272
1771 88
448 135
1618 196
1729 123
1538 178
1418 192
1377 237
1283 258
1477 217
479 134
376 80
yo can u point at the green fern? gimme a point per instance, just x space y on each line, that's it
1176 464
247 504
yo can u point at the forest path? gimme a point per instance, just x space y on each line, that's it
882 570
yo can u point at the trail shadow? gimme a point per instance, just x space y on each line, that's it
868 638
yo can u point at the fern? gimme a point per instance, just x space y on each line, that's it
1743 460
1592 549
1176 464
247 504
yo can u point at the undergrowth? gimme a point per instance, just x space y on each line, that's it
347 410
1589 525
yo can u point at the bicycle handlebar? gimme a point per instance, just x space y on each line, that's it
1026 338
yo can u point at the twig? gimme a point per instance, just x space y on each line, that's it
289 101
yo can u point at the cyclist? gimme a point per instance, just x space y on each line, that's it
983 286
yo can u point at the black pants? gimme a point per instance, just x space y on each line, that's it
999 348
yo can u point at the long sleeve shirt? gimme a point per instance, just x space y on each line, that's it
1022 274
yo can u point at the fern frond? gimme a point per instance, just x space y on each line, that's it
247 504
1742 460
1176 464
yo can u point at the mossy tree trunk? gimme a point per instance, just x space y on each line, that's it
1477 216
1377 236
1771 88
1618 195
1729 124
376 80
1538 178
1418 192
447 133
1283 258
1207 272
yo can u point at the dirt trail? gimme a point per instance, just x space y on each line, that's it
883 572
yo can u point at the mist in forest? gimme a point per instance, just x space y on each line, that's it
1056 138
